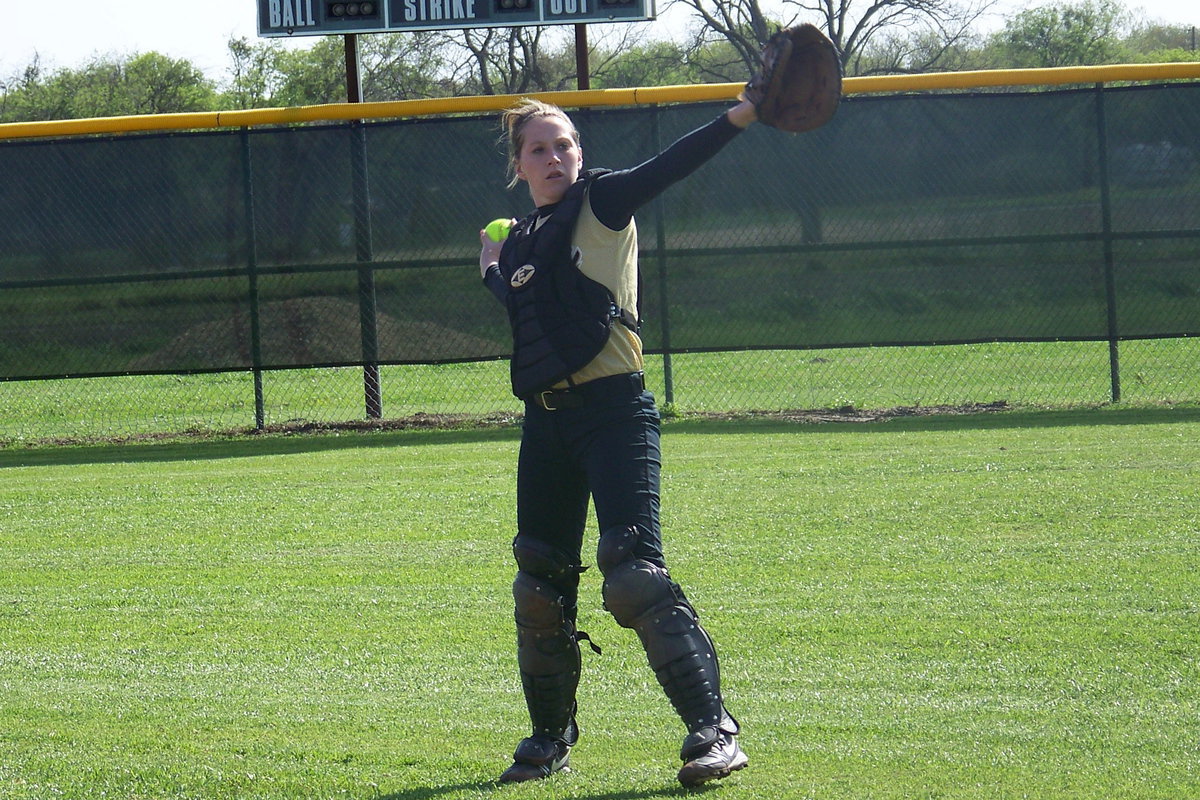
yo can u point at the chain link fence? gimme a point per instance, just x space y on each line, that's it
1031 247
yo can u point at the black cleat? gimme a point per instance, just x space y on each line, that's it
709 754
537 757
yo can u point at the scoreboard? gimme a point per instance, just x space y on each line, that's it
279 18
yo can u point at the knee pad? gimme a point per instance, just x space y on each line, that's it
642 596
538 604
547 563
545 632
616 547
542 559
625 542
632 586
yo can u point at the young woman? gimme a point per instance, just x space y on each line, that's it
567 275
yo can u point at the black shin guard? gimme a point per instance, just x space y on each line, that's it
547 655
641 595
544 593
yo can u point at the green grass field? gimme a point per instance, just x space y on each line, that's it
985 606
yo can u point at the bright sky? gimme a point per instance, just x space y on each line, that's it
76 30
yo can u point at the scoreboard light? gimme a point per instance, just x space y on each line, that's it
515 12
342 10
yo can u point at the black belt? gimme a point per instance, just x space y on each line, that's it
629 384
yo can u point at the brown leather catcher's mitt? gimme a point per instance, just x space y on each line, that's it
799 84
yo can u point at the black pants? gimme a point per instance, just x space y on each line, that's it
607 448
601 440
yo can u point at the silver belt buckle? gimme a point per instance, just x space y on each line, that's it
545 403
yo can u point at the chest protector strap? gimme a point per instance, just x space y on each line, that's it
560 317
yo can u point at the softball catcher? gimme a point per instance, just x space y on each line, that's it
567 275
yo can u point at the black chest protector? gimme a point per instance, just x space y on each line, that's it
560 317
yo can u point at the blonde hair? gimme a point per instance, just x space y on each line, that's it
514 120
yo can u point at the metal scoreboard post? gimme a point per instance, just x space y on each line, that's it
282 18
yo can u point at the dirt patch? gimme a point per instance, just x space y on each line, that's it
422 421
310 330
416 422
851 414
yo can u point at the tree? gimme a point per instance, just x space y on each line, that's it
28 97
907 52
251 74
517 60
1156 43
659 63
156 84
405 66
391 67
311 76
147 83
855 26
1087 32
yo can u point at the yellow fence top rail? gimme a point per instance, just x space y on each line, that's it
587 98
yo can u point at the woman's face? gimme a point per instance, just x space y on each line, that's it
550 158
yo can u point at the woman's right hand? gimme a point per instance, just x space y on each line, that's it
489 252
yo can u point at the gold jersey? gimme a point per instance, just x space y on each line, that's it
611 259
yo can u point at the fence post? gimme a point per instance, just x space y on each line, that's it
363 246
260 420
660 243
1110 277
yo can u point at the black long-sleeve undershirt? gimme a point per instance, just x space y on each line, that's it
615 196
